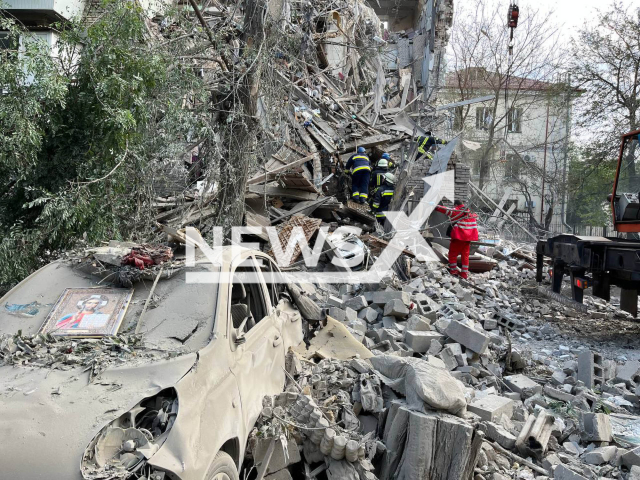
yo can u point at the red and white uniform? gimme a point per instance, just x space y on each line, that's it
464 231
465 223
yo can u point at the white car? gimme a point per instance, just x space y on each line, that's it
180 408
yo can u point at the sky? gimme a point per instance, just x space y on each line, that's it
572 14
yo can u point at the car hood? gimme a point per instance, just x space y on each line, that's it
50 416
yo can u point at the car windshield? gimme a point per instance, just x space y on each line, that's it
180 315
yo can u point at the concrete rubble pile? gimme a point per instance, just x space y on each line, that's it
359 84
457 383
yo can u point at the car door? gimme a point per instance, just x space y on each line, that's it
258 363
287 317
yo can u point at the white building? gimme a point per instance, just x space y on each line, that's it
509 141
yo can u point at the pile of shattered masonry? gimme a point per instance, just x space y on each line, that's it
422 376
438 378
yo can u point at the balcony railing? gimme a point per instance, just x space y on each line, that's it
65 9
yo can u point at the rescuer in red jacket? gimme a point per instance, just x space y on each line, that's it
464 231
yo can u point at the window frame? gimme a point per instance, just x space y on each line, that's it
514 122
482 115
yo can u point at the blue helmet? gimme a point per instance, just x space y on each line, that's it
361 150
386 156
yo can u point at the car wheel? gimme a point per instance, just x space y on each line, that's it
222 468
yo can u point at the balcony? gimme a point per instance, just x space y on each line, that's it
38 12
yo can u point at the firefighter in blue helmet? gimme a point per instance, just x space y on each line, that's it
360 169
383 196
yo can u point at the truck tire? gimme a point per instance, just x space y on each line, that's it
222 468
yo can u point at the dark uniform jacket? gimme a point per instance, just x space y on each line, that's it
381 200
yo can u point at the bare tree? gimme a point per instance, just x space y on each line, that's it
606 64
483 66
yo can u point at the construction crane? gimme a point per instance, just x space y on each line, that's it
600 262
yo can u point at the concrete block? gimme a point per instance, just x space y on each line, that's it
435 361
558 377
435 348
507 321
337 313
442 324
490 324
418 323
634 473
628 373
550 462
396 308
333 301
499 434
350 314
590 370
631 458
563 473
492 407
382 298
523 385
596 427
368 314
421 341
392 322
357 303
600 456
449 358
556 394
467 336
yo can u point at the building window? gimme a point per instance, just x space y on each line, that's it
514 120
483 118
512 166
5 41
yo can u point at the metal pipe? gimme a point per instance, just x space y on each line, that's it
566 155
544 167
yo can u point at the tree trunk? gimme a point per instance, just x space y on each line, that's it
242 135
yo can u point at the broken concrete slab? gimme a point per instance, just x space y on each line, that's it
396 308
523 385
492 407
418 323
563 473
356 303
600 456
499 434
382 298
467 336
421 341
629 373
368 314
596 427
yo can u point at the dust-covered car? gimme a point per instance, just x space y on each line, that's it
176 402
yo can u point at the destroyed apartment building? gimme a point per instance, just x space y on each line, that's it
112 365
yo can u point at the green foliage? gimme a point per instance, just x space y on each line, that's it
80 135
590 181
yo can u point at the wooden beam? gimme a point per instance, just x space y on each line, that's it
263 177
367 142
275 191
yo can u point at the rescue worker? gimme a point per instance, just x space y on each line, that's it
377 176
360 169
425 142
383 196
464 230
